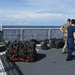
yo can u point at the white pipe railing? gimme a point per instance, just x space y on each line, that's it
22 34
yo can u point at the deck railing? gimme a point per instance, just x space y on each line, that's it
11 34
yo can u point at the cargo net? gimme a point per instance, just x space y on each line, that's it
56 39
21 51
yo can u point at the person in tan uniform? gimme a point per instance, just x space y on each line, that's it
64 31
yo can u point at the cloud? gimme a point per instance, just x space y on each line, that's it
36 10
45 15
33 15
24 15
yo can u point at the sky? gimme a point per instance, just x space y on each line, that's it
36 12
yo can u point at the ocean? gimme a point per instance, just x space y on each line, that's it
28 34
14 26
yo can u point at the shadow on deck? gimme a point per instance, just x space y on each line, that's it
50 62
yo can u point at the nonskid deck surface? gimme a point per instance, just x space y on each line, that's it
50 62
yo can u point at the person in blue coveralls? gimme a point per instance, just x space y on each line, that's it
70 40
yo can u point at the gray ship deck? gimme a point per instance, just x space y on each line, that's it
50 62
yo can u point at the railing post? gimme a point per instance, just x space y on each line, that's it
1 32
49 36
0 26
21 34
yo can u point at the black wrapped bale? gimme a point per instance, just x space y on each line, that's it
21 51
